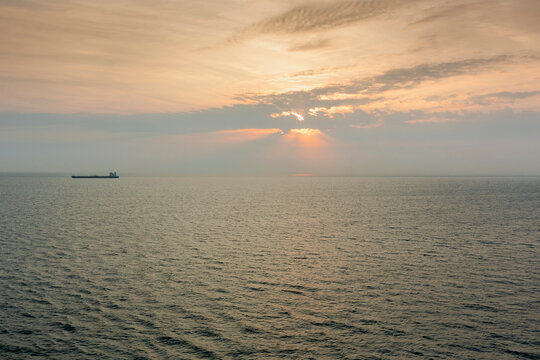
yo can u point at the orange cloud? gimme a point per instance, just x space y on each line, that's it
288 113
247 134
342 96
342 109
433 120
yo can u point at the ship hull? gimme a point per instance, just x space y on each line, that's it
94 177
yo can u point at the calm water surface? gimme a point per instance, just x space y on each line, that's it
263 268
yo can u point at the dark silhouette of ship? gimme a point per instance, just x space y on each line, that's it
112 175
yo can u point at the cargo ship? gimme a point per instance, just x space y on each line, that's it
112 175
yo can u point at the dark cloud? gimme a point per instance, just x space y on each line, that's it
400 78
487 99
512 95
407 77
449 11
311 45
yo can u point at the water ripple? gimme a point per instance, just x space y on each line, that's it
330 268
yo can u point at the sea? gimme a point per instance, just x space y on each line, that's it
269 268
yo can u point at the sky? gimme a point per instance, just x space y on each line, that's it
260 87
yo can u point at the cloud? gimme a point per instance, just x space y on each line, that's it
393 79
506 96
409 77
87 56
331 111
310 45
425 88
288 113
475 26
321 16
448 11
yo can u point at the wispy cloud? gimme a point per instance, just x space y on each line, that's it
310 45
393 79
88 56
409 77
331 111
506 96
321 16
449 10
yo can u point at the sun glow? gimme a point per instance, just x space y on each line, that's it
307 138
247 134
306 132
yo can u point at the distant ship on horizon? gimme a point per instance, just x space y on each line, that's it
112 175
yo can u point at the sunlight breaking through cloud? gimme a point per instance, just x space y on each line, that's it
288 113
307 138
331 111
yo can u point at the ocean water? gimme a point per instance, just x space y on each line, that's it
267 268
